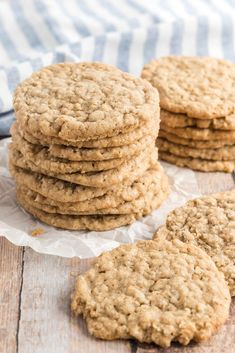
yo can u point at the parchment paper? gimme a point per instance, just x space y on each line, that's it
17 225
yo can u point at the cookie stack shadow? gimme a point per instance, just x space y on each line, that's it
83 149
197 111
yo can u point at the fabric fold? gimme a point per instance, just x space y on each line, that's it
36 33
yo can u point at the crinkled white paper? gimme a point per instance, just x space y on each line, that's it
17 225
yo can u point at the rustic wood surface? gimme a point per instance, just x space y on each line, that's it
35 296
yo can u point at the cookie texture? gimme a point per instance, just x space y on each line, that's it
61 191
101 154
73 153
208 222
122 139
41 157
153 292
199 144
198 163
200 87
93 223
133 168
225 153
81 101
150 198
200 134
77 202
55 189
182 120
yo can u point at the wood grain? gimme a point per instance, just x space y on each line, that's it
46 323
214 182
11 258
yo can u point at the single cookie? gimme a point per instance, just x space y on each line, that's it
81 154
151 198
122 139
63 191
194 143
40 156
109 199
208 222
92 223
182 120
200 87
202 165
153 292
225 153
200 134
133 168
80 101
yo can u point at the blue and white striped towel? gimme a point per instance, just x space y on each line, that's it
125 33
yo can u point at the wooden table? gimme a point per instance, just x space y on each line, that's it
35 298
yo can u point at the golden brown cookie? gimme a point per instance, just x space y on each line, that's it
149 198
226 153
94 223
200 144
182 120
200 134
60 158
101 154
198 163
200 87
153 292
81 101
108 198
122 139
103 179
88 197
41 157
208 222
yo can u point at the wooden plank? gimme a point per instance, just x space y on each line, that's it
10 287
46 323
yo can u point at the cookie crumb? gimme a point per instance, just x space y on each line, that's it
36 232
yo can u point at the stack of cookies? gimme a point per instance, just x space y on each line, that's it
83 149
197 102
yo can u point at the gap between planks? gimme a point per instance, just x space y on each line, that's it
11 260
46 323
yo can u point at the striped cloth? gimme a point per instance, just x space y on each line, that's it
125 33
